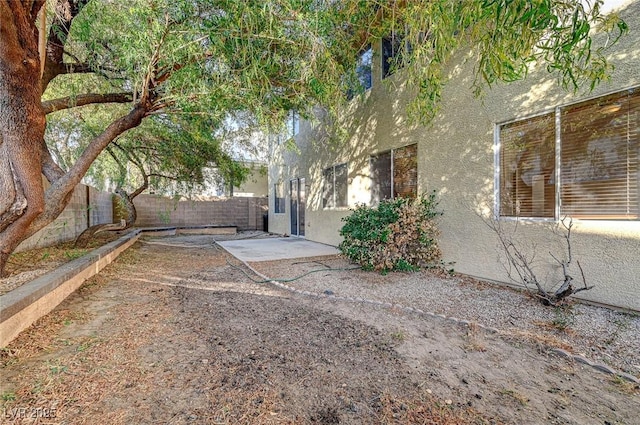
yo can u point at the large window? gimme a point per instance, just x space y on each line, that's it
278 198
581 161
334 187
394 174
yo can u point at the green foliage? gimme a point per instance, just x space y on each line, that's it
400 234
72 254
8 396
505 38
200 62
564 318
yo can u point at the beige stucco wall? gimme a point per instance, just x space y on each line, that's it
456 158
256 184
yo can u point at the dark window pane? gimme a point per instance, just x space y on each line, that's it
391 53
278 196
380 178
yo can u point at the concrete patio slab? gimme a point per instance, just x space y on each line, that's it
276 249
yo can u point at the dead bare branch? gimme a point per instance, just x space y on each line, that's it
520 263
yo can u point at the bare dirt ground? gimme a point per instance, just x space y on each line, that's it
171 333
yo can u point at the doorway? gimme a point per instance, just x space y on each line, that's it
297 196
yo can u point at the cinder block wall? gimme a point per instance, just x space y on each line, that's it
101 210
87 206
244 212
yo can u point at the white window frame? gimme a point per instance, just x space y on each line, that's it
333 192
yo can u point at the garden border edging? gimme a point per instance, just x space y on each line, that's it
21 307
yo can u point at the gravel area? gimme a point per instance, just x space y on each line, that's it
597 333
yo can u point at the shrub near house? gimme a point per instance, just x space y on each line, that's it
398 234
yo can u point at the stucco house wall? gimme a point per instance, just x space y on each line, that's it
456 159
256 184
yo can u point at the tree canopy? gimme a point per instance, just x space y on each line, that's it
168 63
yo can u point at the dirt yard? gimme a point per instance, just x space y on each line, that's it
172 333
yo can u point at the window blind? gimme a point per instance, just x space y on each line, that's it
599 157
527 167
328 188
341 186
405 171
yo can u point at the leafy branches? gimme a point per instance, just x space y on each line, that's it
399 234
568 38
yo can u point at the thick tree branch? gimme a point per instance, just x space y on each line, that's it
66 11
35 8
143 186
97 145
57 195
50 169
53 105
132 158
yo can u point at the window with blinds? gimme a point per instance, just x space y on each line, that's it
380 177
405 172
599 157
527 167
394 174
597 160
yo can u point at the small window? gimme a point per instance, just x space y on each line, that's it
335 187
363 80
394 174
405 172
363 69
293 124
278 198
392 49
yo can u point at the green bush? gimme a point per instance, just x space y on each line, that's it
399 234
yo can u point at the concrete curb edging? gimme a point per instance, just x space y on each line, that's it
601 367
205 229
21 307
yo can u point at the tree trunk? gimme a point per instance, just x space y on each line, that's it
57 196
126 203
25 208
22 123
